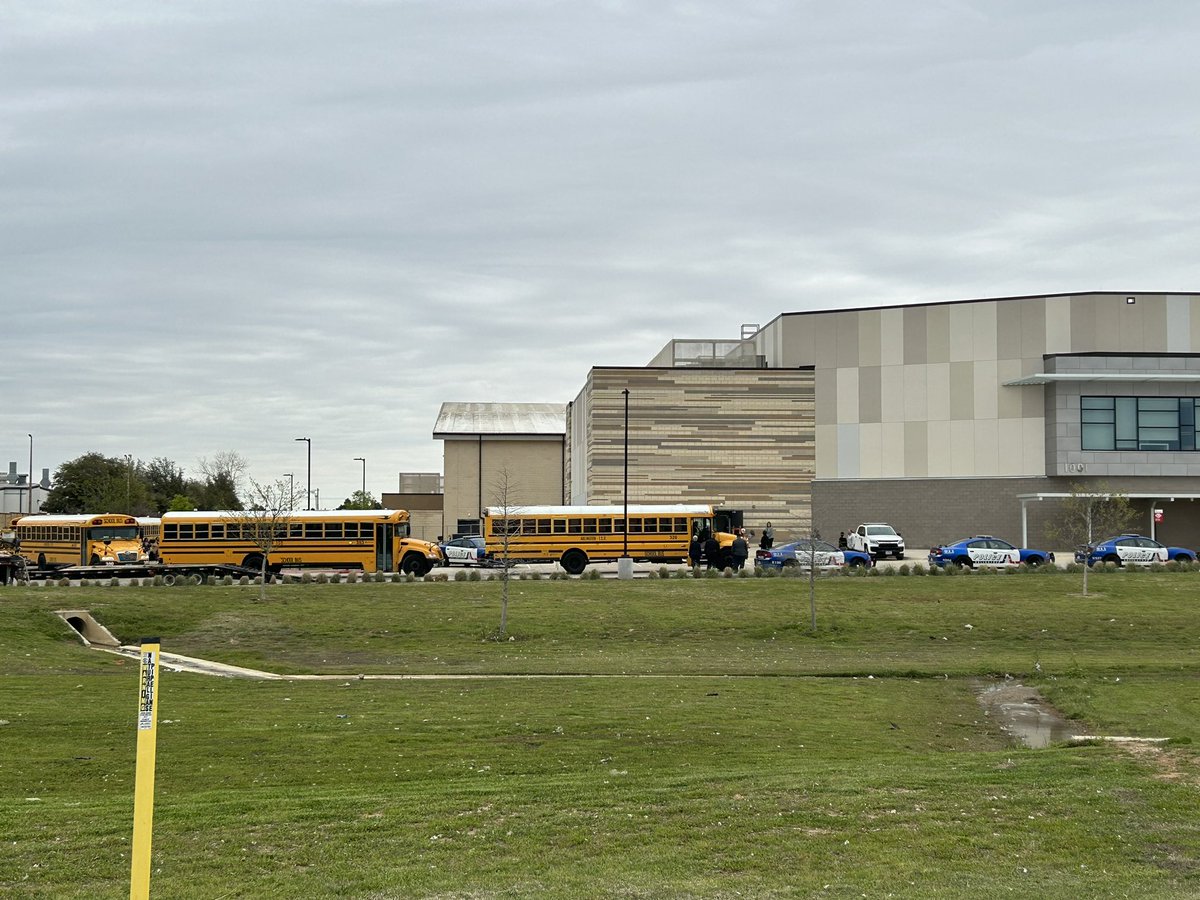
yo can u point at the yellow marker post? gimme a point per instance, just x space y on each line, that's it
143 791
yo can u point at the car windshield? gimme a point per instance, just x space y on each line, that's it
881 529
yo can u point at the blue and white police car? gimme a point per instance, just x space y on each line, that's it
985 550
1126 548
801 553
465 551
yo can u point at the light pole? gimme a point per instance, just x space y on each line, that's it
363 460
317 493
625 564
30 475
291 490
308 496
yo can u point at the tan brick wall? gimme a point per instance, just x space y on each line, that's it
535 469
739 438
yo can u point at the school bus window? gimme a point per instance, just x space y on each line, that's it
201 531
543 526
217 531
589 526
333 530
618 526
606 526
170 531
575 525
351 530
560 526
186 532
313 530
635 526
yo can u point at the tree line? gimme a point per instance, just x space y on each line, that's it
95 483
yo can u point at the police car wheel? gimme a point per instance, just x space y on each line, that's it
1034 561
964 562
1113 558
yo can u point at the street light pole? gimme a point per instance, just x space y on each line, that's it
625 563
291 490
308 496
30 475
363 460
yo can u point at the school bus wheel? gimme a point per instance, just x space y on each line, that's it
414 564
574 562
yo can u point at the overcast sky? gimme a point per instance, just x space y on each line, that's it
224 225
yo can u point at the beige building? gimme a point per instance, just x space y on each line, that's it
944 419
485 444
729 437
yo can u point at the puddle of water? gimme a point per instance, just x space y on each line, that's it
1023 713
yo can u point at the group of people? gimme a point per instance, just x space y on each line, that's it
705 547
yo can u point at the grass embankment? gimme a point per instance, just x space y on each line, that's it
687 784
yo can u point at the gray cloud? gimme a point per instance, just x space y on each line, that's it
225 225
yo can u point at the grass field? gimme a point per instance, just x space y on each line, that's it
725 752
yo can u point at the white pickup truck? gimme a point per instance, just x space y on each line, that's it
877 538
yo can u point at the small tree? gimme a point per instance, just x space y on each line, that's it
360 500
503 492
1088 515
265 523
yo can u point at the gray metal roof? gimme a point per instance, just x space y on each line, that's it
526 419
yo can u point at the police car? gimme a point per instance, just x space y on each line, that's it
985 550
465 551
1125 548
800 553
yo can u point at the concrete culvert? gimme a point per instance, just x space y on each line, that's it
88 629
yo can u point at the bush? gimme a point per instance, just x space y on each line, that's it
874 572
904 569
743 573
460 575
919 569
663 572
474 575
306 577
727 572
889 573
114 582
592 575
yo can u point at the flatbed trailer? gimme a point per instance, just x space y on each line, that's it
142 570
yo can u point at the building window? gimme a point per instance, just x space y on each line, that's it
1138 423
467 526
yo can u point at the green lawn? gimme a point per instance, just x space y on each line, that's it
760 760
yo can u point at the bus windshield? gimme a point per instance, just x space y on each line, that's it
113 533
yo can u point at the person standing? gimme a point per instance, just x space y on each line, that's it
739 551
768 537
712 553
695 551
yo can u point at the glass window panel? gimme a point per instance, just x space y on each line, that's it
186 531
334 529
1159 419
1158 403
543 526
606 526
1096 402
560 526
170 531
313 530
202 532
574 525
1098 437
589 526
1096 415
1126 413
635 526
217 531
1187 412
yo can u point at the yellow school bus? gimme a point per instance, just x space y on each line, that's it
573 536
50 541
374 540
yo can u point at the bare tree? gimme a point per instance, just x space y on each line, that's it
504 508
264 524
1088 515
